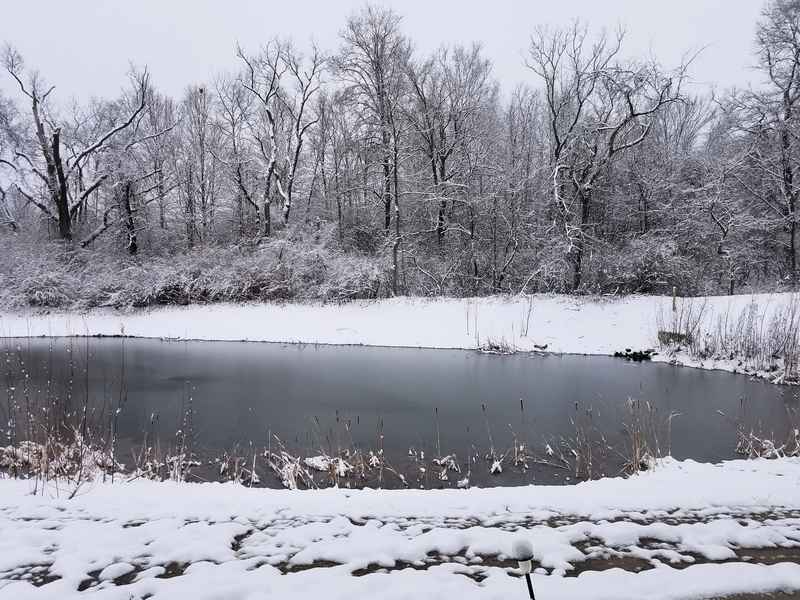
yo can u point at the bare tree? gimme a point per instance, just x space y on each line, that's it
135 169
772 117
51 167
598 109
449 90
236 106
414 174
296 96
263 79
159 139
372 61
8 141
196 163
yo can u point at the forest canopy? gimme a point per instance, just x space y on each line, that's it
372 169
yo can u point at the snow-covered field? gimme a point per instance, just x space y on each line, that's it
684 530
566 324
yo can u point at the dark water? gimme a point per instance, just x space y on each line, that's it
331 398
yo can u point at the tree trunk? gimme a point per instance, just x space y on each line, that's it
788 187
396 245
267 217
268 203
162 217
240 214
339 215
6 213
494 245
793 246
338 193
577 261
440 220
387 190
643 209
731 279
442 206
130 225
190 210
61 197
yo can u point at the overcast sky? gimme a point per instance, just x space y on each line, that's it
84 47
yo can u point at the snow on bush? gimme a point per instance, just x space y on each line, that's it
46 276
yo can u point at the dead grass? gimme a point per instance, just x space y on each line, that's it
759 338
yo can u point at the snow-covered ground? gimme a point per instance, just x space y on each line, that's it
554 323
684 530
566 324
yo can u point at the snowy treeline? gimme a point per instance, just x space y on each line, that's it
373 169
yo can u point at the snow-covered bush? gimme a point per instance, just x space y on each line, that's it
351 278
646 265
304 268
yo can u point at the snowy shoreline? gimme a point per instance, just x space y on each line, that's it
553 323
672 485
689 526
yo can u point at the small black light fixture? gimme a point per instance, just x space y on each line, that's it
522 552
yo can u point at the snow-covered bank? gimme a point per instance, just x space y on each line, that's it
758 484
164 540
552 323
565 324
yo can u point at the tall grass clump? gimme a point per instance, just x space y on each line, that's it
758 338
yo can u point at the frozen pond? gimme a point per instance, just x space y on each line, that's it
416 405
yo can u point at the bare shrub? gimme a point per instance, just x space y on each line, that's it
758 338
682 324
